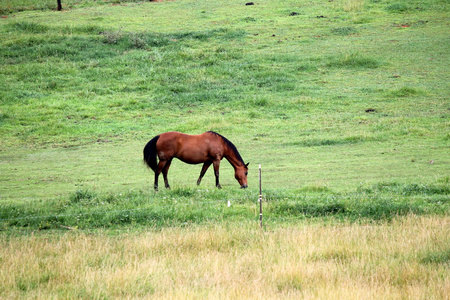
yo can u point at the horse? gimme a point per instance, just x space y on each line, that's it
208 148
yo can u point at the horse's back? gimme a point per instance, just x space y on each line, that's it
175 139
189 148
170 136
186 139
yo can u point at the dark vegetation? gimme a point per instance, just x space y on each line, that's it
182 207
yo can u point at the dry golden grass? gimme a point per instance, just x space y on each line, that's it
308 261
350 5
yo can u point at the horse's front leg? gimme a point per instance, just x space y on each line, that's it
216 172
204 169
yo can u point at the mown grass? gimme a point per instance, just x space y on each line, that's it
12 6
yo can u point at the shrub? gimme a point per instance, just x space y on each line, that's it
398 8
405 92
344 30
81 196
353 61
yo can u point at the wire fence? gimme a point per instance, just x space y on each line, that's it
329 202
108 211
301 199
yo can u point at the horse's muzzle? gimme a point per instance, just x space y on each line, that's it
244 186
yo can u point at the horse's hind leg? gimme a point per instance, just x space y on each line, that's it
204 169
158 171
156 180
165 170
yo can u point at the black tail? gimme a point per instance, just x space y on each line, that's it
150 157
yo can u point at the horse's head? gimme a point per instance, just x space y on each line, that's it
241 175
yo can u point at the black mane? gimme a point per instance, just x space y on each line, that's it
231 146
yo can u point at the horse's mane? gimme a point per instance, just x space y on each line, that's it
230 145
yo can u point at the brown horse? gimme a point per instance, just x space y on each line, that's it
207 148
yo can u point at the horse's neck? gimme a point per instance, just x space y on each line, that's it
233 159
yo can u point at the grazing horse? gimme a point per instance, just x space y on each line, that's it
208 148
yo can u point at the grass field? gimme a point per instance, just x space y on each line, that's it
344 103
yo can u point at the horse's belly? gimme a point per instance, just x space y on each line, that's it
192 159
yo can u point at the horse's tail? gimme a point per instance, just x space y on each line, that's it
150 153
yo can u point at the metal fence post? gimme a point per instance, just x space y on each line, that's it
260 199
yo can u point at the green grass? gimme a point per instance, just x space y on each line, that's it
87 209
345 105
12 6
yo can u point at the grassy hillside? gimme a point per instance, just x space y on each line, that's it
324 94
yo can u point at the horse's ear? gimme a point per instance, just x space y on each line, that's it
247 165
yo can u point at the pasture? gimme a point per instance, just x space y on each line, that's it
344 103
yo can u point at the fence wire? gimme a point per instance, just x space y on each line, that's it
110 211
227 202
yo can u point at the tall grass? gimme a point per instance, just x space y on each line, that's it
405 258
353 5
